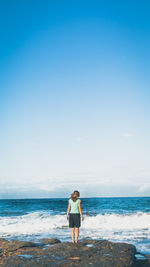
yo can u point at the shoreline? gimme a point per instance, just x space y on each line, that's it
53 252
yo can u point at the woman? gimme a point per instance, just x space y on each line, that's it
74 204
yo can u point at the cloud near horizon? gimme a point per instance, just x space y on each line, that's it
88 189
127 134
145 187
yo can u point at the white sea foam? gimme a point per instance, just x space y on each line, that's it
133 228
31 224
118 222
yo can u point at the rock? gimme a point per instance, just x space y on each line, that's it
51 252
142 260
148 256
49 241
1 251
15 245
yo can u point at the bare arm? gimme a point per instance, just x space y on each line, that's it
68 210
79 205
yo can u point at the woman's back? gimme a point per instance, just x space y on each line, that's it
74 205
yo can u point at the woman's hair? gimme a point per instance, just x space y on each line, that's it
75 195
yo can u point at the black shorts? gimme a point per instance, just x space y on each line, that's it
74 220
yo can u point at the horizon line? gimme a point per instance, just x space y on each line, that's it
68 197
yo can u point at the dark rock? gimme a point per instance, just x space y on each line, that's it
51 252
49 241
148 256
141 260
1 251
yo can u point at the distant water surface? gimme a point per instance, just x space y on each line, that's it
115 219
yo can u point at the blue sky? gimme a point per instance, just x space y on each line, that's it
74 98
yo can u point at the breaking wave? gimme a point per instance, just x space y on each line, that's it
132 228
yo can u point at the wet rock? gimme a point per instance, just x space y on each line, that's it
49 241
141 260
148 256
15 245
51 252
1 251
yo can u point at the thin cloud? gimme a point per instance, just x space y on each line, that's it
81 138
144 188
127 134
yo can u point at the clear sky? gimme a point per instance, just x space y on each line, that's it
74 98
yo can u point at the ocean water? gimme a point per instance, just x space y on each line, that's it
115 219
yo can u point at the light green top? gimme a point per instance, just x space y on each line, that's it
74 205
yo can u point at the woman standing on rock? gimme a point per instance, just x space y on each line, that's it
75 214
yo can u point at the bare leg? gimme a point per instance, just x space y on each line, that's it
72 234
77 234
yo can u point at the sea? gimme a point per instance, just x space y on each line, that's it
118 219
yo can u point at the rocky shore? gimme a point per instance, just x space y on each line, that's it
88 252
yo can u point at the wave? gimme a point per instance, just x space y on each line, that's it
114 221
44 223
132 228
